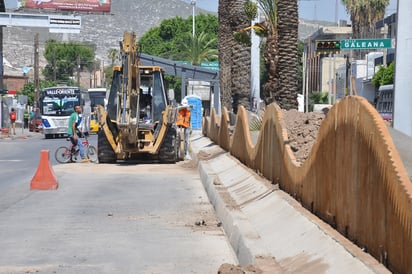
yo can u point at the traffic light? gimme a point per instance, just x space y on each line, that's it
328 47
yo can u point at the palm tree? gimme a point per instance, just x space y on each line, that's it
364 15
270 54
225 39
113 54
288 22
240 82
281 49
198 49
234 57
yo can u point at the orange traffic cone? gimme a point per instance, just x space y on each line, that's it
44 179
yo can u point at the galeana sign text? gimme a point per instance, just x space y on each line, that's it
366 44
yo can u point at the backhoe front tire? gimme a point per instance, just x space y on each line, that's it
105 152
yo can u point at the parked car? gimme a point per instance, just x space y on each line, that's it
94 125
36 124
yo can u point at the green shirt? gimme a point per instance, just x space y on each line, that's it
73 119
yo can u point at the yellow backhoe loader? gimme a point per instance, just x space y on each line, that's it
139 122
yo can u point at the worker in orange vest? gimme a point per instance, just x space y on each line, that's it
183 121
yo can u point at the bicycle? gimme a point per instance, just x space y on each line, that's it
71 154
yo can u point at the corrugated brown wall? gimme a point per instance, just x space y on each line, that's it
353 178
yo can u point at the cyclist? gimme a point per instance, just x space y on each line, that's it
74 131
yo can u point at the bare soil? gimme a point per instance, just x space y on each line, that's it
233 269
302 131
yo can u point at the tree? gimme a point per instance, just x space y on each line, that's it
384 76
300 66
65 58
108 73
197 49
270 54
173 40
364 15
28 89
166 39
281 49
240 61
288 22
226 41
234 57
174 83
113 54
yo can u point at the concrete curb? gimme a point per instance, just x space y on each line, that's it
262 221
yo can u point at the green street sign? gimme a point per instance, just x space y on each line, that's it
210 65
351 44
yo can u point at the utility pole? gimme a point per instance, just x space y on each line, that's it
330 79
94 76
36 69
347 75
385 51
193 3
78 70
102 75
54 64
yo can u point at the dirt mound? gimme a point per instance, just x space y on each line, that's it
302 131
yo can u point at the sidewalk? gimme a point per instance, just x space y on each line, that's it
20 134
263 222
403 145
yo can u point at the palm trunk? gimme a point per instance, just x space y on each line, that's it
240 58
288 22
270 55
225 51
233 57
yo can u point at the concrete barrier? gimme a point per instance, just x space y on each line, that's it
262 221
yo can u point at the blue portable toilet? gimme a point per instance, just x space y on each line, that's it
195 111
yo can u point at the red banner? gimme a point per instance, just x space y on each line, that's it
75 5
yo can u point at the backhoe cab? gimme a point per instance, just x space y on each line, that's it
139 122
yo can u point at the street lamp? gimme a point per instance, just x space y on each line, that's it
193 3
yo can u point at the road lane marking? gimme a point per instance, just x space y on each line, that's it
11 160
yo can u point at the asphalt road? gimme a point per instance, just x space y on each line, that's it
20 154
120 218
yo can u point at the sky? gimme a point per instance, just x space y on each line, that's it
324 10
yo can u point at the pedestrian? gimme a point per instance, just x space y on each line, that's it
13 117
75 133
183 121
31 114
26 116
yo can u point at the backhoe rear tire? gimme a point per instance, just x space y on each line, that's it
105 151
168 150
